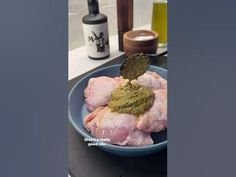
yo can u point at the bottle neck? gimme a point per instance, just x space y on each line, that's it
93 6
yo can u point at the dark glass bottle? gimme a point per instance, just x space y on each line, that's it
96 32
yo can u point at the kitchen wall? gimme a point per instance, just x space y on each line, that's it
78 9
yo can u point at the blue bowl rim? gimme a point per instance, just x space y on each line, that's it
111 146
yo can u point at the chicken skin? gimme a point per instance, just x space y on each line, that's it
125 129
120 129
155 119
151 80
98 91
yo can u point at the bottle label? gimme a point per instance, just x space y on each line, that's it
97 39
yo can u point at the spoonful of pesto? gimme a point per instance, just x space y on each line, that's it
134 66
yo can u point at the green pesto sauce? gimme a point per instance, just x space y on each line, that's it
135 66
131 98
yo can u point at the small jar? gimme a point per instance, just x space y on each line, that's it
140 41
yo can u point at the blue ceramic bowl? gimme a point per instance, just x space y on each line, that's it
77 112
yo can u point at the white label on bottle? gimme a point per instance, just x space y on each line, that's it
97 39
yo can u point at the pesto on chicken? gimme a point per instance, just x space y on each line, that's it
132 99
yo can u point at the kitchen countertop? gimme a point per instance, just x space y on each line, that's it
79 62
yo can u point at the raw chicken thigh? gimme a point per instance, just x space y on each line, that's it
121 129
155 119
151 80
127 129
98 91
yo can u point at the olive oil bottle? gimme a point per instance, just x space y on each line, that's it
95 29
159 21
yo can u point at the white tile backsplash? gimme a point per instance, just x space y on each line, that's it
110 12
78 9
142 12
76 37
77 5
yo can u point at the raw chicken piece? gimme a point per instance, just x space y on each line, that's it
155 119
98 91
121 129
151 80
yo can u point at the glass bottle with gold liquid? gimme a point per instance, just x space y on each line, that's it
159 21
